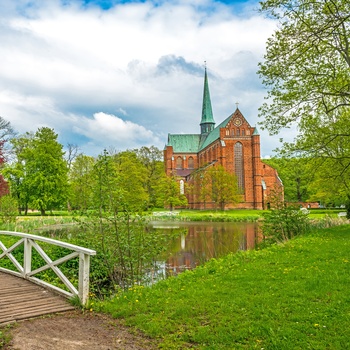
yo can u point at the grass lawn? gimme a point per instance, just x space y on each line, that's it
289 296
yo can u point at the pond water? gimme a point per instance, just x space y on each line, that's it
195 243
200 241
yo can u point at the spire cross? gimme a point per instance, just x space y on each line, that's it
237 103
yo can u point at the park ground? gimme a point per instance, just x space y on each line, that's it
292 295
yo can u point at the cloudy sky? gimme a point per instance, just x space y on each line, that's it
120 74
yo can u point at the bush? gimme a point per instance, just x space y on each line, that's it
284 223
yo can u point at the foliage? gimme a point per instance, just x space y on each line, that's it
116 227
39 174
287 296
152 160
170 193
8 209
297 177
81 183
307 62
283 222
5 336
307 72
131 177
215 185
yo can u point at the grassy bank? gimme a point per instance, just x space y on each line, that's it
290 296
234 215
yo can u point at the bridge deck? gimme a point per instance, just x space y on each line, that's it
21 299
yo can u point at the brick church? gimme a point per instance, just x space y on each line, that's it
235 145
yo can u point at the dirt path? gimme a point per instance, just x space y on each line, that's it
76 330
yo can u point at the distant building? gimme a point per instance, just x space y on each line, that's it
235 145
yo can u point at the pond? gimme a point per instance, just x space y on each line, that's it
200 241
193 245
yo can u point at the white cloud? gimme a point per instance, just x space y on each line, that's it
139 65
115 131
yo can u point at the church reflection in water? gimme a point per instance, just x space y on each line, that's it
200 242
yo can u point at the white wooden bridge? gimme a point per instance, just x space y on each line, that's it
22 295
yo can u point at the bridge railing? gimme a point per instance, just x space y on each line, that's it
24 269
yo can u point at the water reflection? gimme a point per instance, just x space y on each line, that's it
201 241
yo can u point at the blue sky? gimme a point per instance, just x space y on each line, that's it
123 74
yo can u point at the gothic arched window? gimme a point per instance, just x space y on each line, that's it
179 163
190 163
239 166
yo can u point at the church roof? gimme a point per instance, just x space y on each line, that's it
184 143
214 134
207 112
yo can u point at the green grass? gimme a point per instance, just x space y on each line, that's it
289 296
5 335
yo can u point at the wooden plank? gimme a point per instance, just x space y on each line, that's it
21 299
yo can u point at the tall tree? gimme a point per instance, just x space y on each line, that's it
307 73
81 182
40 171
307 62
48 169
152 160
132 178
296 175
224 186
6 134
16 172
215 185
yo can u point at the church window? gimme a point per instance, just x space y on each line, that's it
190 163
237 132
243 132
239 169
179 163
182 187
227 132
232 132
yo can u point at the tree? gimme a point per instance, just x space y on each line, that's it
216 185
81 182
307 62
132 177
172 195
224 186
6 133
296 175
307 72
39 174
16 172
152 160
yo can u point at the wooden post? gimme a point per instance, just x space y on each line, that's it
27 258
84 272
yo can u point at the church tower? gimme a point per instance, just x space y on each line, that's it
207 123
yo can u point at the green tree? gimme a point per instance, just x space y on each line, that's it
215 185
224 186
170 193
81 182
307 62
201 186
39 174
152 160
297 176
16 172
307 73
132 178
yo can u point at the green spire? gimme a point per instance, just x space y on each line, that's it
207 123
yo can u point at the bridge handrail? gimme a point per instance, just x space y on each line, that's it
29 241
